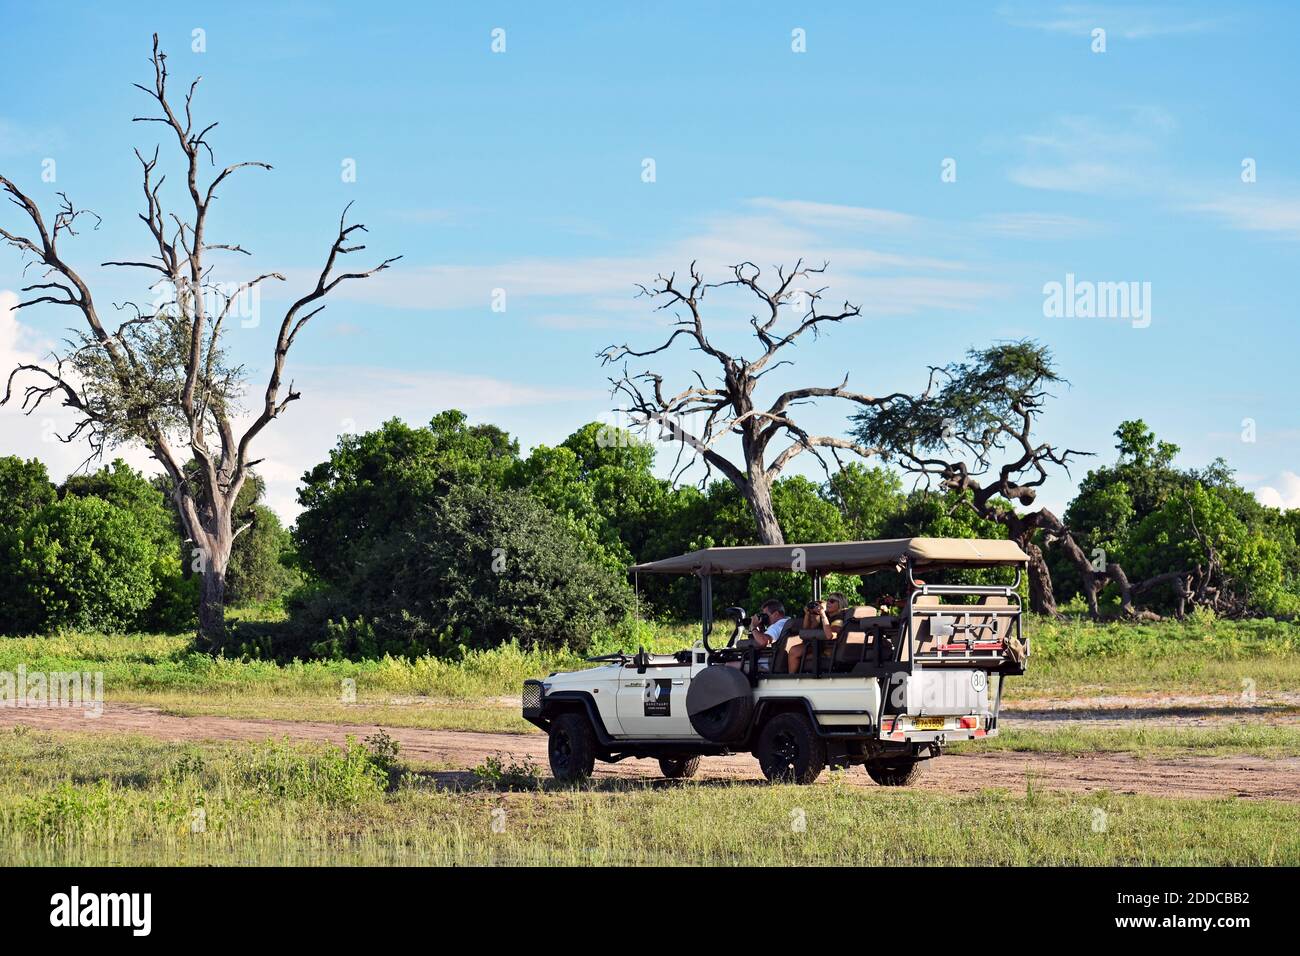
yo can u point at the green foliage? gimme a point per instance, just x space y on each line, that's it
1176 536
869 500
78 563
25 488
371 483
1146 513
175 600
259 571
441 538
974 399
473 567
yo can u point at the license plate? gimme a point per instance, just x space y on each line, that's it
930 723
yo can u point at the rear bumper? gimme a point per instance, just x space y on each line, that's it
905 729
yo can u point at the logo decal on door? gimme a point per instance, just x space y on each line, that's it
658 697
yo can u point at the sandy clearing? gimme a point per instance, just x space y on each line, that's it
1193 777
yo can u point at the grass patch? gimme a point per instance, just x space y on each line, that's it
1257 740
83 799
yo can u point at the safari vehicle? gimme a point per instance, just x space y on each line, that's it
891 690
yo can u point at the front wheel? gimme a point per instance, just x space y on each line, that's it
572 748
679 768
789 750
894 773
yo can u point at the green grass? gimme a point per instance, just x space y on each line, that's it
1257 740
85 799
1070 658
477 691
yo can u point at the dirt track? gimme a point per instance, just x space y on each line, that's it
457 752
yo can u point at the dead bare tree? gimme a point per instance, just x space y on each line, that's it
160 378
701 416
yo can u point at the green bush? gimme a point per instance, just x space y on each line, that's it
78 563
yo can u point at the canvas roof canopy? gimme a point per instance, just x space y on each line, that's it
848 557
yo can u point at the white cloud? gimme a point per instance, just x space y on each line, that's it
1089 155
1129 22
1036 225
820 213
586 292
1286 494
1252 212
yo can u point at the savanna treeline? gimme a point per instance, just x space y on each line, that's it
426 539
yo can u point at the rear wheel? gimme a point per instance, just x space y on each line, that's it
572 748
678 768
789 750
894 773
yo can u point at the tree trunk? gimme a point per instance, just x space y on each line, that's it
1042 598
214 559
758 493
212 604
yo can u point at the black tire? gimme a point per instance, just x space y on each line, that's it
679 768
894 773
572 748
789 750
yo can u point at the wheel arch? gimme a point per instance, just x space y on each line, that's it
574 701
765 708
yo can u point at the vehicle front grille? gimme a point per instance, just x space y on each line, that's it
532 698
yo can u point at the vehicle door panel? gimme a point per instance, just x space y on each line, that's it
653 704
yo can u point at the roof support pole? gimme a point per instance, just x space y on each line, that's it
706 604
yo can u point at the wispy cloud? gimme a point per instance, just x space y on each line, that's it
585 292
1089 155
1130 22
592 292
821 213
1036 225
1251 211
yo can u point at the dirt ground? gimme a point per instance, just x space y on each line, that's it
455 753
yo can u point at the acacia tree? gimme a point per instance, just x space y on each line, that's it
161 378
971 431
701 416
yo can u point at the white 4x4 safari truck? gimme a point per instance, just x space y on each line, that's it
888 691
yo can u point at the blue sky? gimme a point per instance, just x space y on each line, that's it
522 171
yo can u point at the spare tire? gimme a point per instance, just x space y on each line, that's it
720 704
